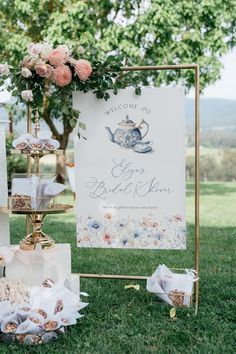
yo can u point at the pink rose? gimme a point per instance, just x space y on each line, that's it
50 71
25 72
80 49
65 48
83 69
41 69
57 56
46 50
62 75
34 49
4 69
27 95
44 70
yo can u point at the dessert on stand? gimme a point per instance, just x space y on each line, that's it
39 297
36 206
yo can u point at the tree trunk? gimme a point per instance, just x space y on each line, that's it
60 169
10 117
62 138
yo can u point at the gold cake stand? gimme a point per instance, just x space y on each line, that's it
35 218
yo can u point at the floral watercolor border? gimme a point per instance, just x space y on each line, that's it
168 232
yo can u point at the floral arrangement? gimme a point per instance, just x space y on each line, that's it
46 71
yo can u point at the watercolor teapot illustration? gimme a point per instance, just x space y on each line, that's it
128 134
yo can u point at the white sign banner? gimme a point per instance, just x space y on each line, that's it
4 219
130 172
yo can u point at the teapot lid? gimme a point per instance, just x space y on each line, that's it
127 122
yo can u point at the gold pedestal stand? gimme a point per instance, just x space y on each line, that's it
37 236
34 218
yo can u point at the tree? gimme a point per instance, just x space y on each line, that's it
229 165
146 32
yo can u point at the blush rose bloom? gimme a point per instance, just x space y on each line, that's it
44 70
41 69
46 50
57 57
26 73
27 95
62 75
34 49
83 69
50 71
4 69
80 49
65 48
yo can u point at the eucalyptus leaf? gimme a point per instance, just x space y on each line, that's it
82 125
15 93
73 122
65 109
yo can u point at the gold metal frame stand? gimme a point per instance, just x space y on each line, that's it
29 131
194 67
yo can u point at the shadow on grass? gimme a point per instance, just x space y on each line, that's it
211 189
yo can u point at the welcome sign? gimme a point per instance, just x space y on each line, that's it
130 172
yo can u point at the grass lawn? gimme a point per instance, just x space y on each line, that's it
129 321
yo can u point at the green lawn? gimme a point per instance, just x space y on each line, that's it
130 321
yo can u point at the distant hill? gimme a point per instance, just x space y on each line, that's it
214 114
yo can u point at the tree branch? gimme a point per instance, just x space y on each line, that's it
51 125
48 120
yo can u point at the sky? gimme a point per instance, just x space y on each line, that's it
226 86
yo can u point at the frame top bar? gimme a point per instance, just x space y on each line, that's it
160 67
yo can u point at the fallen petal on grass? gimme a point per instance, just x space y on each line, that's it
173 313
136 287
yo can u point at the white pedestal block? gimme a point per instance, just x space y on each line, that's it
73 284
33 267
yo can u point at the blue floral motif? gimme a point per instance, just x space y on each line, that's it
95 226
120 224
137 233
158 236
